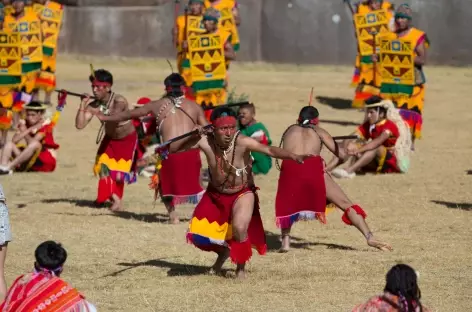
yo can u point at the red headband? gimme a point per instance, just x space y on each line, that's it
313 121
224 121
97 83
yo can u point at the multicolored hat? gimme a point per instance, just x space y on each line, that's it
404 11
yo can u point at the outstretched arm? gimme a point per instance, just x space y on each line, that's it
128 114
328 140
272 151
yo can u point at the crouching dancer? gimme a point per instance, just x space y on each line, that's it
303 188
227 219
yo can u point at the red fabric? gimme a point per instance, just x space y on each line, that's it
42 292
380 127
107 187
357 209
48 140
45 162
301 188
240 252
208 114
218 207
117 149
180 174
225 121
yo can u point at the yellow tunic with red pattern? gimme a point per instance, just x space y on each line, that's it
363 78
387 162
411 103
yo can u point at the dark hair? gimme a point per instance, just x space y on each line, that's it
249 106
34 105
174 83
102 75
307 113
373 100
50 255
402 282
221 112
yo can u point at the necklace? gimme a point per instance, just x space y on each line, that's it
238 171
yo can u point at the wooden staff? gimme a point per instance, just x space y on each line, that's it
345 137
74 94
226 105
176 15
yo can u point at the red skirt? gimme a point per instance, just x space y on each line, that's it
210 228
116 158
301 193
180 177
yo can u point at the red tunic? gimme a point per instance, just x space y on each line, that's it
388 162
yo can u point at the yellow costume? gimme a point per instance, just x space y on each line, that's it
208 68
29 29
367 21
402 81
7 10
51 19
10 74
193 26
226 21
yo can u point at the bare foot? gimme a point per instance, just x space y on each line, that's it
173 218
116 203
216 269
240 274
285 244
372 242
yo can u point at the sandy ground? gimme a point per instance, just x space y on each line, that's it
134 261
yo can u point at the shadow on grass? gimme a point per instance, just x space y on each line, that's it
175 269
335 102
451 205
274 244
75 201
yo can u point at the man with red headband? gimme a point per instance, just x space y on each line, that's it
175 115
116 156
304 188
227 219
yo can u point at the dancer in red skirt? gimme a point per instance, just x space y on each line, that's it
304 188
178 180
227 219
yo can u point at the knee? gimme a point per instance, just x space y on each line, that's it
34 145
9 145
239 230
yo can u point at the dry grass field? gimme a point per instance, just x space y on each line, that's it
134 261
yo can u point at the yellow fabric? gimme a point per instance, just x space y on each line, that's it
366 70
51 21
10 56
215 96
194 27
38 8
226 21
7 10
113 165
28 81
207 56
381 159
30 35
6 97
27 166
211 230
410 102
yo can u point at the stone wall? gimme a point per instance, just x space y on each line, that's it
271 30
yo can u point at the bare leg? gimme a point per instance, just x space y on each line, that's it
364 160
335 195
285 240
8 151
242 214
25 155
3 284
47 97
222 257
116 203
173 217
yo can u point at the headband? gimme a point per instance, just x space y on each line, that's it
224 121
402 15
313 121
196 1
98 83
